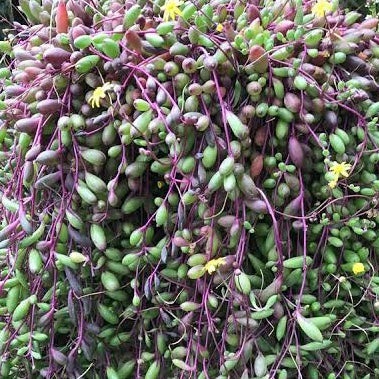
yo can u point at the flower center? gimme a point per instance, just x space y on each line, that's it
171 7
98 92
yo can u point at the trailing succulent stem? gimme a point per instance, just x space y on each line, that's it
189 190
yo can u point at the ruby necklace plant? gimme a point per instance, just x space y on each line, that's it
189 190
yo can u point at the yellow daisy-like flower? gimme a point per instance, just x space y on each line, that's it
321 7
98 94
325 54
171 9
358 268
214 264
340 169
332 184
219 28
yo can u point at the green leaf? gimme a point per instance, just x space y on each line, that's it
36 355
310 329
271 301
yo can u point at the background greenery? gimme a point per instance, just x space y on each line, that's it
362 6
6 15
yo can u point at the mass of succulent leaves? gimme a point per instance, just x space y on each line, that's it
189 189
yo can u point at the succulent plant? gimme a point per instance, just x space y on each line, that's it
189 190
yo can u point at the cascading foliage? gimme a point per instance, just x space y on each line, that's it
189 189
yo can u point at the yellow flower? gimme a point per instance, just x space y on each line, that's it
358 268
213 265
98 94
337 170
332 184
340 169
325 54
171 9
160 184
321 7
219 28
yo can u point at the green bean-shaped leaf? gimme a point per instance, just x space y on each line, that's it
310 329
